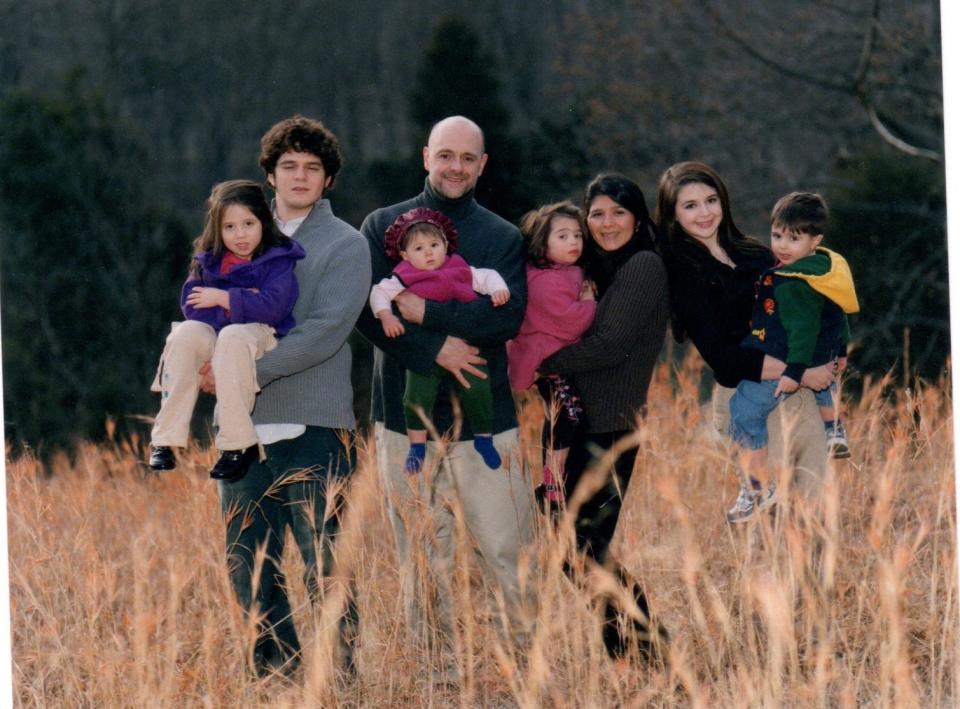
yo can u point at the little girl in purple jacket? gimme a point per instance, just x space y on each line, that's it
560 307
237 300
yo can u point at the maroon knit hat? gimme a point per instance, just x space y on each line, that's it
420 215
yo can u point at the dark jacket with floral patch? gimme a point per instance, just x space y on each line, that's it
799 315
712 303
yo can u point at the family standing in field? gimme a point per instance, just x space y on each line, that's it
464 309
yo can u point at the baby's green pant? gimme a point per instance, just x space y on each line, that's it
421 391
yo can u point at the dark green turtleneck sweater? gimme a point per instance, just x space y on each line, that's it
485 241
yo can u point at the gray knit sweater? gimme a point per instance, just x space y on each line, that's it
306 379
613 363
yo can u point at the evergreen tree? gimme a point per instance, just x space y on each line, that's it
457 76
90 267
888 218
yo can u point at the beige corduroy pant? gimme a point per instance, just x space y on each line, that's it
498 512
232 354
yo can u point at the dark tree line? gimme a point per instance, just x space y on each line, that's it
88 267
115 119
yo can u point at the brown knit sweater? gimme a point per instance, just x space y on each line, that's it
613 363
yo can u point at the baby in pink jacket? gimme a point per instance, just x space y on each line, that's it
560 307
422 242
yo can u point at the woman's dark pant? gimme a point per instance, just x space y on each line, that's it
595 524
597 518
288 489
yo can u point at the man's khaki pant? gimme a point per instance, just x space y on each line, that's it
497 507
797 439
233 356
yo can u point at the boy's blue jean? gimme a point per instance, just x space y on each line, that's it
752 403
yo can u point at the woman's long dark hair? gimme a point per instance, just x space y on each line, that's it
677 247
673 241
627 194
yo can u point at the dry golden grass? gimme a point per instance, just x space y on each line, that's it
120 595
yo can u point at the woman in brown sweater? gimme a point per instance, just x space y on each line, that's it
613 362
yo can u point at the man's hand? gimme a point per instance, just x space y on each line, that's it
392 327
207 382
457 357
786 385
202 297
499 297
411 306
818 378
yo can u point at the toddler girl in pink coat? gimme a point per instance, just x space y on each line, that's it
560 307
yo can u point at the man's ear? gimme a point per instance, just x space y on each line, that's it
426 158
271 181
483 163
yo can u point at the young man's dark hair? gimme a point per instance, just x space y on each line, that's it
301 135
801 212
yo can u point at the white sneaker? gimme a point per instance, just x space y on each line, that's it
767 499
750 501
837 444
744 507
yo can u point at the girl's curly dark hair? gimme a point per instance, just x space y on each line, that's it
535 228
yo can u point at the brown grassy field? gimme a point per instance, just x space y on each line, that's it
120 596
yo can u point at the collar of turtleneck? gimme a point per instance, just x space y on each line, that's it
457 209
605 264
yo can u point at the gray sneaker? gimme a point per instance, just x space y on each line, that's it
768 498
837 444
750 501
744 507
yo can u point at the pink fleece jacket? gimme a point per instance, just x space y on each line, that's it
555 317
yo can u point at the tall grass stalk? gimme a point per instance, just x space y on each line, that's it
120 594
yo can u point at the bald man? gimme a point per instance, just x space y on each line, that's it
497 505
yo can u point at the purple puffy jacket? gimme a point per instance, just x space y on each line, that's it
270 274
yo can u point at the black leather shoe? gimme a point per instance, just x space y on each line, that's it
270 658
233 464
161 458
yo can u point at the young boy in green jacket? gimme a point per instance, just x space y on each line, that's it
799 317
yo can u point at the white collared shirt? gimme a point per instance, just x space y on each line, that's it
272 432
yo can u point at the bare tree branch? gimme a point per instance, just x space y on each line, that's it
778 66
859 85
893 140
860 75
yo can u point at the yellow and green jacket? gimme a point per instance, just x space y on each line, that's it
800 312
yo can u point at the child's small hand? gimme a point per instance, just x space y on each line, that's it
392 326
499 297
202 297
786 385
588 291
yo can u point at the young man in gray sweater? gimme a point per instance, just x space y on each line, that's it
497 505
304 411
